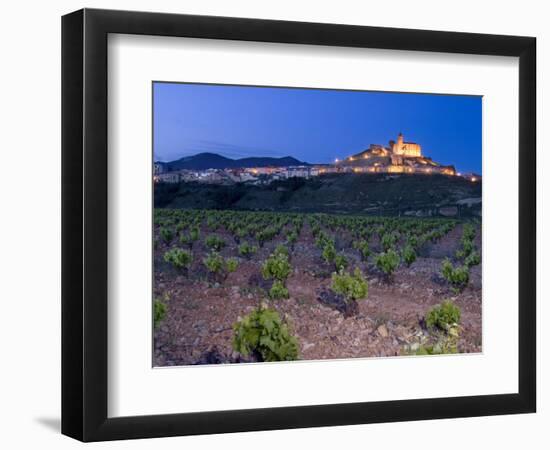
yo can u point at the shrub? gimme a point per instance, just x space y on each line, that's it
239 234
388 241
247 250
281 250
292 237
211 223
363 247
194 234
276 267
466 250
215 242
214 263
443 316
468 232
278 290
448 344
323 240
352 287
178 258
166 234
473 259
185 239
266 235
387 261
263 334
219 266
159 312
457 276
329 252
341 262
409 255
315 230
231 264
435 235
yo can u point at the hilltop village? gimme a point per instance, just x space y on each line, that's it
398 157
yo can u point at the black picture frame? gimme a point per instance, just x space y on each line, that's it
84 224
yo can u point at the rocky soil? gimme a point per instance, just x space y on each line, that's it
200 312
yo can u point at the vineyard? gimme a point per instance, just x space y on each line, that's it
243 286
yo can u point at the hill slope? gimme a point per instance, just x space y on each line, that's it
376 194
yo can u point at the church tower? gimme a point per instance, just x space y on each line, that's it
400 140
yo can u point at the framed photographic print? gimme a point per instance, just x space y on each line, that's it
266 224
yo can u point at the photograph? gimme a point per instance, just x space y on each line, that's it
313 224
275 225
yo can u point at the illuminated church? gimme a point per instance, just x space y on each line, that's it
398 157
405 148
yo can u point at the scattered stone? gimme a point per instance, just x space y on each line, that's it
213 356
383 331
307 345
320 322
338 302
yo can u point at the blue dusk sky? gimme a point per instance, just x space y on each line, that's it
312 125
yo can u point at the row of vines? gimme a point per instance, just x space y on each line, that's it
346 245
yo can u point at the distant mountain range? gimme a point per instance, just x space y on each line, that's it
203 161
